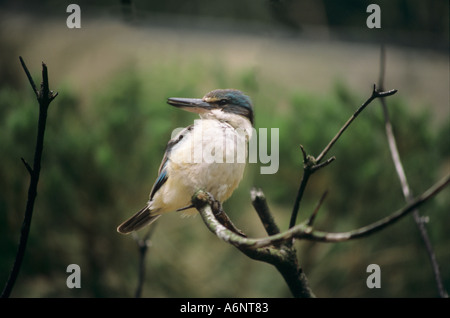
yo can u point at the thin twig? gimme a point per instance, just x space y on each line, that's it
314 214
44 97
404 182
30 79
323 164
27 166
143 245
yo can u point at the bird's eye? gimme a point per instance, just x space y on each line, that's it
222 102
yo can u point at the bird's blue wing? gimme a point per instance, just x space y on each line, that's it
162 178
163 174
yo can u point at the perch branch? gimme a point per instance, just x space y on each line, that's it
44 97
404 182
223 218
202 201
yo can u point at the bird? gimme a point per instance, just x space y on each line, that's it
208 155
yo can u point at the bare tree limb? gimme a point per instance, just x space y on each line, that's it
375 94
44 97
260 204
404 182
378 225
283 256
201 201
277 249
311 164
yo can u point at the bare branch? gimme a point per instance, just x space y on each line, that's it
323 164
283 256
277 249
260 204
30 79
27 166
404 182
309 167
308 163
311 164
44 97
201 201
379 225
314 214
375 94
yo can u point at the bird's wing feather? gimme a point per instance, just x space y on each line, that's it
163 175
148 214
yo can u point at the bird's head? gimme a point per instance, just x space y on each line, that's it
219 103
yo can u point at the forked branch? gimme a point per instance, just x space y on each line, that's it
44 97
311 164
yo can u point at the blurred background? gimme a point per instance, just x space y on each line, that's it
307 65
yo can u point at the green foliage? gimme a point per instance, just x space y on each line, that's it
101 157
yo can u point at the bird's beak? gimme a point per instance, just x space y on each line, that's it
194 105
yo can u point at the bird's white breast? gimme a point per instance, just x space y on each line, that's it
211 157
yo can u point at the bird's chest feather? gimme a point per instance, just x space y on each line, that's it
211 157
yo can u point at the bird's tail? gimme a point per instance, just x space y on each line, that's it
142 218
